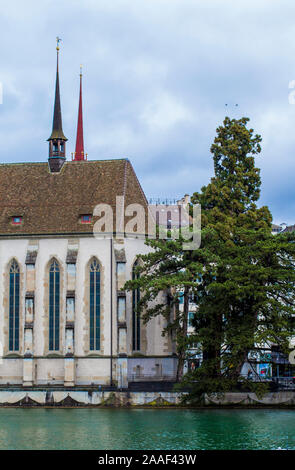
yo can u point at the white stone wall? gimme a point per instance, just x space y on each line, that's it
47 367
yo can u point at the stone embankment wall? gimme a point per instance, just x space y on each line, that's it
149 399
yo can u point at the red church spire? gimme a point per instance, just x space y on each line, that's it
79 153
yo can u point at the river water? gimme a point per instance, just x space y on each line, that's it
43 428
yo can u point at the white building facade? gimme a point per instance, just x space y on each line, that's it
71 352
65 319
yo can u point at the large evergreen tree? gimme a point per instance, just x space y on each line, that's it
246 297
242 277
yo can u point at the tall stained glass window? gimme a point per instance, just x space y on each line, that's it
94 306
54 305
14 306
135 314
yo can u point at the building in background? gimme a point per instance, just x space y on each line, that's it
170 213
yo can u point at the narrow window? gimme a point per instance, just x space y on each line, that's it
71 269
16 220
191 316
29 309
70 309
121 309
169 220
135 314
94 306
14 306
71 276
86 219
54 306
121 268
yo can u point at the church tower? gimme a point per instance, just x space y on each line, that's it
57 140
79 152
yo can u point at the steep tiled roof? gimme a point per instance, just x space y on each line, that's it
290 228
53 203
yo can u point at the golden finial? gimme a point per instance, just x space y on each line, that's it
81 70
57 43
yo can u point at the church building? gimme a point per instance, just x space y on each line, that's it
65 319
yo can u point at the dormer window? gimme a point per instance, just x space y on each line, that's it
86 219
17 220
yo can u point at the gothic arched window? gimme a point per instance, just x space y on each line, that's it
14 306
54 305
135 314
94 306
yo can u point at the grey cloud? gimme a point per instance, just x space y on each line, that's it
157 75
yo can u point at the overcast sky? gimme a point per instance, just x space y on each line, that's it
157 76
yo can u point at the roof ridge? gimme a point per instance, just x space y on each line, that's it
67 161
102 160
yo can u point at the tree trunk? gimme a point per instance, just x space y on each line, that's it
212 347
182 336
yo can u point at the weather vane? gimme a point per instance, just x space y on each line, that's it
58 40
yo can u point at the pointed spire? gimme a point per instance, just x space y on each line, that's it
57 132
57 140
79 152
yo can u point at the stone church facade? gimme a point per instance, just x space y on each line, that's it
65 319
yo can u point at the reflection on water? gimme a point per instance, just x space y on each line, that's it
145 429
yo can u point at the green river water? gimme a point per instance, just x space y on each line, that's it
146 429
